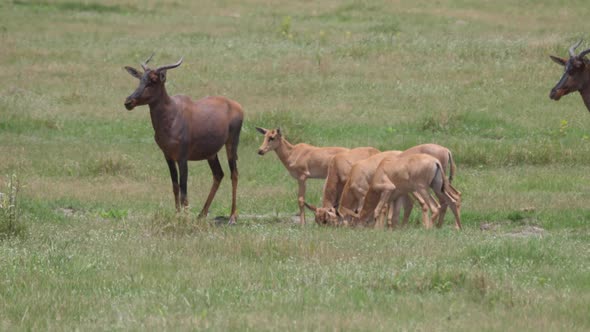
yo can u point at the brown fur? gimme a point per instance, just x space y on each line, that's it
576 76
190 130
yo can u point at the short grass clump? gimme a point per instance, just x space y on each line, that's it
10 219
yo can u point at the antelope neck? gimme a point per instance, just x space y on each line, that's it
162 111
284 151
585 93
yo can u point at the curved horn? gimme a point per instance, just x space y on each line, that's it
166 67
573 47
144 64
583 53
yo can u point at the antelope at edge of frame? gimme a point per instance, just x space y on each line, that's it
303 161
576 75
189 130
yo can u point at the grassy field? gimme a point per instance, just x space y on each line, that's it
95 243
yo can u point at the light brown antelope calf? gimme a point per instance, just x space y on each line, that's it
338 172
445 157
439 152
357 186
303 161
403 175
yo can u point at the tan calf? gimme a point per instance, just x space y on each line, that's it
338 172
402 175
445 157
439 152
358 183
303 161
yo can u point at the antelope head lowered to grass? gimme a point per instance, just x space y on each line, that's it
576 75
189 130
338 172
357 186
303 161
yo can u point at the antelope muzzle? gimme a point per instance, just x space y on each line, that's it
556 94
130 103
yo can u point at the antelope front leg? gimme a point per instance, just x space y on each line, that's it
183 169
301 200
175 185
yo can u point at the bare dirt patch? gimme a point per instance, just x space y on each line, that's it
507 228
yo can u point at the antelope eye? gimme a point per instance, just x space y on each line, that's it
271 138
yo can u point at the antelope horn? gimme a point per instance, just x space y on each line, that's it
166 67
144 64
583 53
573 47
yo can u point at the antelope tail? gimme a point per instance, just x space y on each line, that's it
452 167
446 186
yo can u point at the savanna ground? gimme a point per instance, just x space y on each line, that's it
96 244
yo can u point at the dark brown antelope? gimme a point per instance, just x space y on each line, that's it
189 130
576 76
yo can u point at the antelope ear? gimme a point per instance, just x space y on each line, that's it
279 131
558 60
162 76
133 72
262 130
311 207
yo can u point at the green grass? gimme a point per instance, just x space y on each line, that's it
100 247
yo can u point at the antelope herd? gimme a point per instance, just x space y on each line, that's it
363 186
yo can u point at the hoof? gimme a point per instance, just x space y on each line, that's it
232 220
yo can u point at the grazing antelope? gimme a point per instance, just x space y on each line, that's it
189 130
357 186
402 175
303 161
445 157
576 75
361 176
338 172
